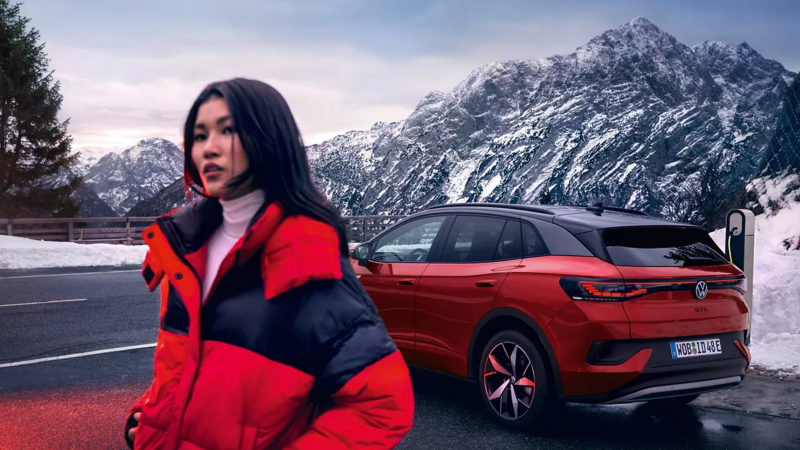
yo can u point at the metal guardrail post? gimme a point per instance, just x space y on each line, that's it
128 231
364 230
70 230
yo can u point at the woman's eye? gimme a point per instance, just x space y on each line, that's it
199 137
227 130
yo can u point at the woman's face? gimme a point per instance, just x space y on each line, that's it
217 150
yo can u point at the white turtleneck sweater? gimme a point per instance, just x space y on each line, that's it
236 216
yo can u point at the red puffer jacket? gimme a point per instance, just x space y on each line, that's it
287 352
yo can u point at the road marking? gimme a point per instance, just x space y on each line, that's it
45 303
69 274
75 355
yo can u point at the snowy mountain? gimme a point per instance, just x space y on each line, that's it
123 179
91 204
89 156
631 118
626 118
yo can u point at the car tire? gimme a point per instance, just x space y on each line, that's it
674 401
515 395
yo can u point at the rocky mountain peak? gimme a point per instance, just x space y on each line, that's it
123 179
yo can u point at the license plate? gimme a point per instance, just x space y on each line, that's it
688 349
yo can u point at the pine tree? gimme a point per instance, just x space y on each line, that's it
34 145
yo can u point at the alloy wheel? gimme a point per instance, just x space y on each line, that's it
509 380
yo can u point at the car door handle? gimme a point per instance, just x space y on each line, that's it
406 282
486 283
506 268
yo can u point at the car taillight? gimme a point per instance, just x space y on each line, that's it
601 290
619 290
738 283
741 286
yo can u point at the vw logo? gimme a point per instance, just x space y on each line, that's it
701 290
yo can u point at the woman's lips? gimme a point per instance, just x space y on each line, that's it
211 170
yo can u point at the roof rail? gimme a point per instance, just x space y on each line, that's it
498 205
598 208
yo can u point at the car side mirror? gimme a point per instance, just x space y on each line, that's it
362 254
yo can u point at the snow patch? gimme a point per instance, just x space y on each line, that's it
491 185
774 189
741 137
627 172
726 115
457 181
776 290
22 253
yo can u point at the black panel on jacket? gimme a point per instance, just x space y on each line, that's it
190 227
329 329
148 274
176 318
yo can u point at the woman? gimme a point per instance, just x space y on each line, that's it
266 339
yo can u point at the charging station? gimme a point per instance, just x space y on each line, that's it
740 231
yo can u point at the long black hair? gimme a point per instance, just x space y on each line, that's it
277 158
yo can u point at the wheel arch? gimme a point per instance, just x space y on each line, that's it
510 318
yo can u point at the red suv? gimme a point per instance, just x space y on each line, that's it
543 304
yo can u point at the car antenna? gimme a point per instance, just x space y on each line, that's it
597 208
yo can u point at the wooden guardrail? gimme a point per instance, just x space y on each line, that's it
127 230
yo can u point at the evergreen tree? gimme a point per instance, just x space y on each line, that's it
34 145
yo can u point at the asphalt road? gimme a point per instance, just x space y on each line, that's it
80 403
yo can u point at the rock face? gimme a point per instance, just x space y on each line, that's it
783 153
138 173
91 204
633 118
163 202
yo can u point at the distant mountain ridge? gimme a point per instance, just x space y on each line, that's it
627 118
123 179
633 118
89 156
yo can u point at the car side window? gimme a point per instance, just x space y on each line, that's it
510 245
532 243
410 242
473 239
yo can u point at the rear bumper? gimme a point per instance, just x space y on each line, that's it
677 390
661 376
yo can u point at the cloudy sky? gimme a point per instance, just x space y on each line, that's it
130 69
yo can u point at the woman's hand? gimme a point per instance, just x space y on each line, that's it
132 431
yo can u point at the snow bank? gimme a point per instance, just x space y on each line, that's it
775 342
21 253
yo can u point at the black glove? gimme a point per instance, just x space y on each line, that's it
131 423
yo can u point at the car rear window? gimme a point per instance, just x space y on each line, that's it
661 246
